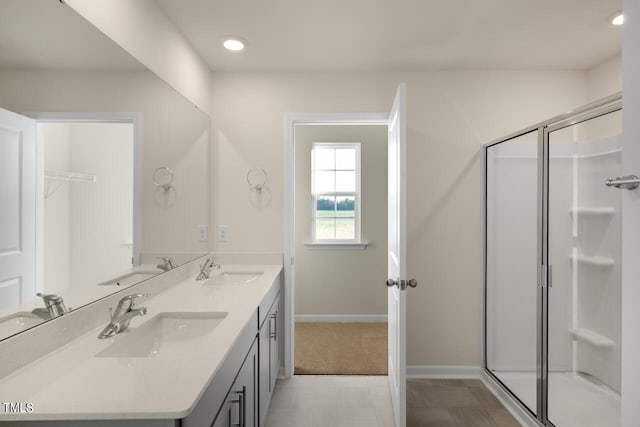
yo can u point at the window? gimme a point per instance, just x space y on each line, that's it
335 182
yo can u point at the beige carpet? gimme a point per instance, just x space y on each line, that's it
341 348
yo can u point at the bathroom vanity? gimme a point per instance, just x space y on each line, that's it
206 353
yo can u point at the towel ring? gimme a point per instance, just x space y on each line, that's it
163 178
257 178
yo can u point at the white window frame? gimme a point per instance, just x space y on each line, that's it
357 196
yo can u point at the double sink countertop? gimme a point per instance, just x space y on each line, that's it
159 367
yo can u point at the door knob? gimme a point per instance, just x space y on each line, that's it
402 284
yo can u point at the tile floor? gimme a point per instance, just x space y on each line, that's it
363 401
331 401
453 403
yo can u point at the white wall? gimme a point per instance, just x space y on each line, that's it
56 208
631 213
450 114
141 28
101 211
77 215
605 78
174 135
332 281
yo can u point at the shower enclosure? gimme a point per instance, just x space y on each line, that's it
552 267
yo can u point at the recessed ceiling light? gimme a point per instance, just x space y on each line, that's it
233 44
618 19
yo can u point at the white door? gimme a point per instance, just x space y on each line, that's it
397 266
17 208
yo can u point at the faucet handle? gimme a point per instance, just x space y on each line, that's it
126 303
133 297
208 263
169 264
49 299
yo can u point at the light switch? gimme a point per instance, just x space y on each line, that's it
223 233
202 232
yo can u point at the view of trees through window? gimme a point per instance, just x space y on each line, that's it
335 190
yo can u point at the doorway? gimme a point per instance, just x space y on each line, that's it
88 179
292 122
395 121
340 249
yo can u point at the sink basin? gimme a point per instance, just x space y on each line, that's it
130 278
163 331
236 277
18 322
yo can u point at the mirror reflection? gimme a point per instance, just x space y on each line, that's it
83 213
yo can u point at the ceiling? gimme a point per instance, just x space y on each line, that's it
48 34
400 34
333 34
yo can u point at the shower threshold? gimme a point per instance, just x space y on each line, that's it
575 399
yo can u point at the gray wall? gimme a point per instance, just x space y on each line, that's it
343 281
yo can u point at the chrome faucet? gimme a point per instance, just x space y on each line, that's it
206 268
54 307
168 264
122 315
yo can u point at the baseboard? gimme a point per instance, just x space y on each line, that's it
444 372
341 318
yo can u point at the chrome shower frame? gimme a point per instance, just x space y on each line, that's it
590 111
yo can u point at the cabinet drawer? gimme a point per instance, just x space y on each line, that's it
214 396
267 301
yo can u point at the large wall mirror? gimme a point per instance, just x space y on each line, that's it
120 167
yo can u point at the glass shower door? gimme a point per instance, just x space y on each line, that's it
584 254
511 258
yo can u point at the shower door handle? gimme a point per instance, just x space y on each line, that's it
627 182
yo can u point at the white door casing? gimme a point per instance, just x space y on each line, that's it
397 255
290 122
18 208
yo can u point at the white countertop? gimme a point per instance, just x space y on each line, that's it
71 383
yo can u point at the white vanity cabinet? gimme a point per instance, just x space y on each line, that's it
269 360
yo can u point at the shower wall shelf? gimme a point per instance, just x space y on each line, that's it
591 337
592 211
595 261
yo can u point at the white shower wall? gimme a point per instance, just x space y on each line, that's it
511 254
580 297
585 226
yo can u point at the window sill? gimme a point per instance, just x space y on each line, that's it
337 245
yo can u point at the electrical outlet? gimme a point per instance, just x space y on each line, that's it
202 232
223 233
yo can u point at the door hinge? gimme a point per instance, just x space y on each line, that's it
545 271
